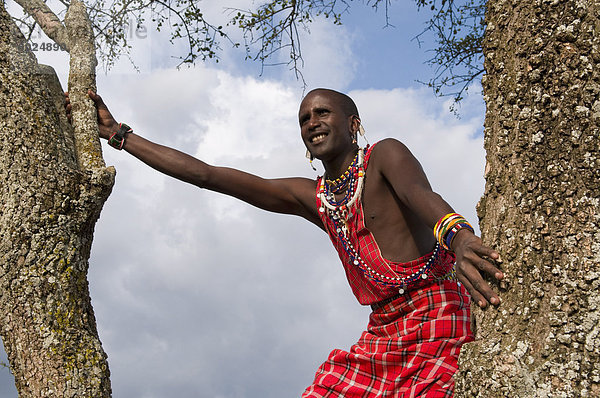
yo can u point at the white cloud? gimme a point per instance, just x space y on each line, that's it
250 119
449 149
328 47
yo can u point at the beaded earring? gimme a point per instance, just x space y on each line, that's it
361 131
310 158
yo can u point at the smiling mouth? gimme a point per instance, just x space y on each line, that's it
317 138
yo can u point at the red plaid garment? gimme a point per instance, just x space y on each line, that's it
411 345
410 349
366 290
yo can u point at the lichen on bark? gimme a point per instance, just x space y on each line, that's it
50 203
541 207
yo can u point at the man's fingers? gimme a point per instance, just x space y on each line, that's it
479 258
97 100
68 106
481 286
103 111
475 295
106 122
487 251
95 97
480 290
489 268
473 260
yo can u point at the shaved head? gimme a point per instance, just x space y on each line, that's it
342 99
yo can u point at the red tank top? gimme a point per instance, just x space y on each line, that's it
373 280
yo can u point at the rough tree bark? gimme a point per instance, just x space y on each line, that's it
541 206
53 185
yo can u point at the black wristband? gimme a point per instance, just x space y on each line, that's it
117 140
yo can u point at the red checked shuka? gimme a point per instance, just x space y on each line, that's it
419 323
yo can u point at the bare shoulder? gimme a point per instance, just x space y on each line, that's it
390 152
389 144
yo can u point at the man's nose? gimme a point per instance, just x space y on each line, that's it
313 122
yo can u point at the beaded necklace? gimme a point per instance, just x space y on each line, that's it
399 282
339 212
341 182
353 181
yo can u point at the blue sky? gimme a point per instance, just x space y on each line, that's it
209 297
386 56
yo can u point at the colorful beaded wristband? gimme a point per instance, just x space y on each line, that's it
452 233
438 229
117 139
448 226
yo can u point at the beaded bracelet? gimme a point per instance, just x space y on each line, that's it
448 226
452 233
117 139
441 225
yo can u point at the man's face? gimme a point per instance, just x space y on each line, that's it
324 126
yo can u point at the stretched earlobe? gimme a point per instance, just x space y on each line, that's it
310 158
309 155
361 131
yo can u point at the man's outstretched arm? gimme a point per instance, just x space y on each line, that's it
410 183
285 195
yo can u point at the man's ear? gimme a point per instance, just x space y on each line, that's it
354 124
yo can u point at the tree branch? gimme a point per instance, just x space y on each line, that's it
48 21
82 76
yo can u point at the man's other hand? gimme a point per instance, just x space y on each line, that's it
472 258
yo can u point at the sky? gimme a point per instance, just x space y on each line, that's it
199 295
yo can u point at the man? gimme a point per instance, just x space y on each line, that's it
379 211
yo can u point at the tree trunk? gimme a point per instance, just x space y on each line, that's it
541 207
51 194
